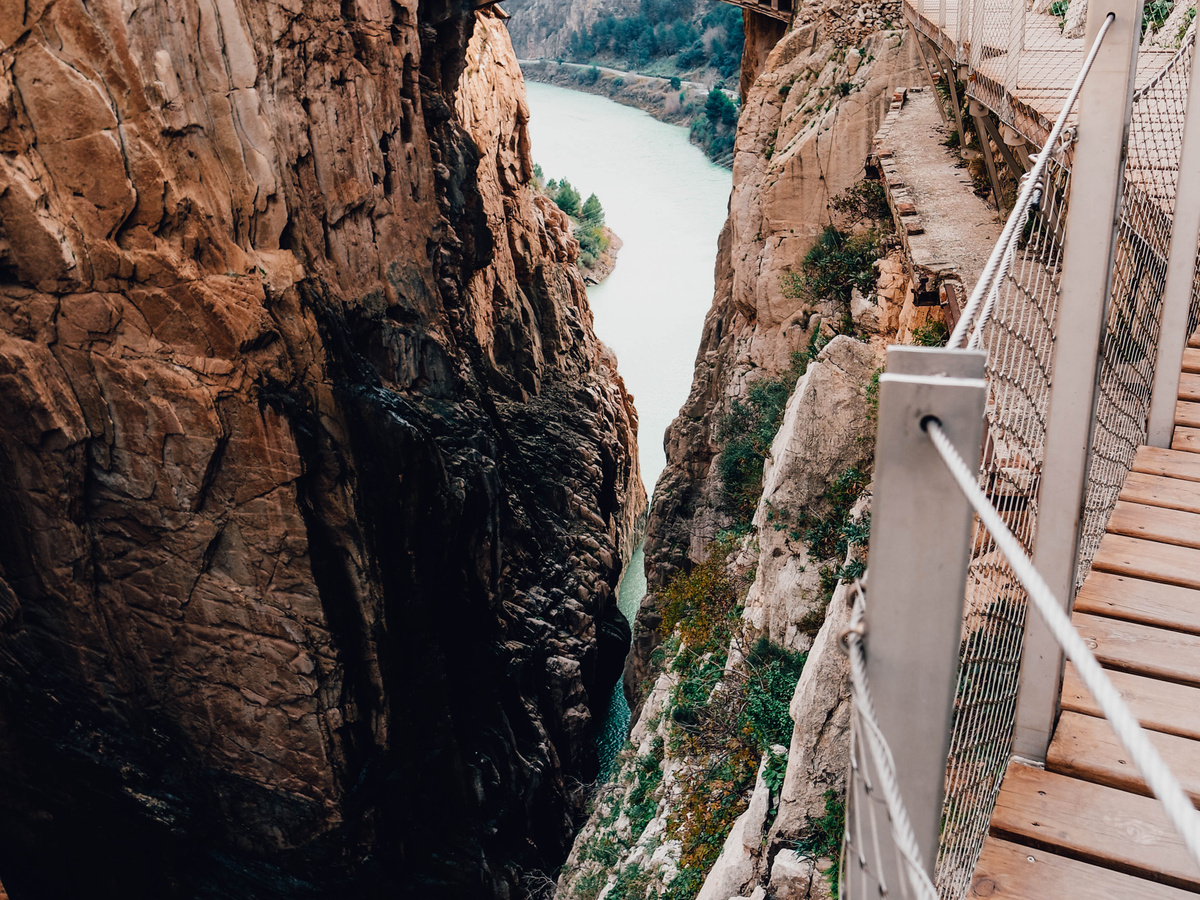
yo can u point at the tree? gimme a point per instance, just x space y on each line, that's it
567 198
593 212
719 109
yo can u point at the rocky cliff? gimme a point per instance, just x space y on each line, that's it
803 138
728 790
314 480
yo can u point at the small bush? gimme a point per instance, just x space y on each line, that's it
838 262
932 334
863 201
823 837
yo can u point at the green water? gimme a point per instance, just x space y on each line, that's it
668 203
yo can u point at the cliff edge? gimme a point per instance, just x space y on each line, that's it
315 483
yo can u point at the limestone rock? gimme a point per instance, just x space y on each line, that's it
778 206
315 481
795 878
827 428
818 758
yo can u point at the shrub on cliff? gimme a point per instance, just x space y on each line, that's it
834 265
564 196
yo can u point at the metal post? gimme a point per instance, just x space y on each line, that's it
950 76
978 11
978 111
1104 113
929 71
1181 266
1016 44
918 558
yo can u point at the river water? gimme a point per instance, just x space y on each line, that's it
667 202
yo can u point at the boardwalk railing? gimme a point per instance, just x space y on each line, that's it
1017 58
1065 360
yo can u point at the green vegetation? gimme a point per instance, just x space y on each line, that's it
716 131
564 196
836 263
747 430
1059 8
864 201
1185 25
823 837
723 730
1155 13
932 334
588 216
668 35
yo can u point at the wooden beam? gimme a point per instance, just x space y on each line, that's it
1093 823
1009 871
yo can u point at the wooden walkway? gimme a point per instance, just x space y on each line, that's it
1085 826
1048 66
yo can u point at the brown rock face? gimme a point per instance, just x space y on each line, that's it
314 480
796 149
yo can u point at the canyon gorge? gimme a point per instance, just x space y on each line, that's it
317 483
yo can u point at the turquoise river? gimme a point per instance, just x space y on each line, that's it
668 203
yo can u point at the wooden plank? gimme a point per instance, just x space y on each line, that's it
1154 490
1086 747
1008 871
1154 523
1159 705
1141 649
1168 463
1191 360
1194 340
1148 559
1189 386
1135 600
1093 823
1187 413
1186 439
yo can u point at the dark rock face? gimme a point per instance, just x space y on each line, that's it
315 483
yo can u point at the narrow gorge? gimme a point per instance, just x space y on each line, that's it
317 478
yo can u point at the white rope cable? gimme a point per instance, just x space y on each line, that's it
903 835
987 288
1158 777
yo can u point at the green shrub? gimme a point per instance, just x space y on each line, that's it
565 197
838 262
932 334
822 837
864 200
1155 13
773 672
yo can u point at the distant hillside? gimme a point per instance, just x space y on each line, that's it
697 40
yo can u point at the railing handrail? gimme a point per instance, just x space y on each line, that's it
973 319
1157 774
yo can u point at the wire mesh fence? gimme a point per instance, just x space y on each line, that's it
1021 56
1130 345
1019 340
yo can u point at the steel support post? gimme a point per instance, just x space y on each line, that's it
978 111
918 558
948 73
1181 269
1016 44
978 18
937 101
1086 285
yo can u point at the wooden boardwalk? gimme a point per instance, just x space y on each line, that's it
1048 65
1085 826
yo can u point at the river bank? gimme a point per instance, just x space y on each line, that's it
597 271
682 105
